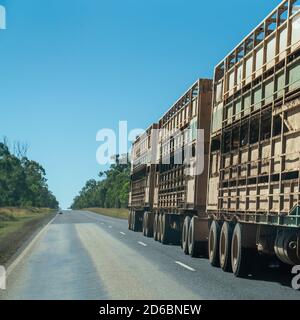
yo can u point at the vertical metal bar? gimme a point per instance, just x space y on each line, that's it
298 245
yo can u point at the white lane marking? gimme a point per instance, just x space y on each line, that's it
110 227
102 223
123 233
185 266
142 244
32 242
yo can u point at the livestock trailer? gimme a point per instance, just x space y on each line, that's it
143 169
180 191
180 142
253 190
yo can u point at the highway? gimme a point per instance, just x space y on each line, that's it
82 255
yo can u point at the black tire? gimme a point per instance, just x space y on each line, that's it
195 248
145 218
129 220
133 221
155 227
136 222
241 257
185 233
166 232
149 225
225 247
213 244
159 220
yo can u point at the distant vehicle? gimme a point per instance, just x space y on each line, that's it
60 212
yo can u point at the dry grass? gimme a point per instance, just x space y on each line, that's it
10 213
11 219
115 213
17 225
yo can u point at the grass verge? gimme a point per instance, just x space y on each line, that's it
17 226
115 213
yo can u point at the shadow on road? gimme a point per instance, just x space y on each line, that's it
273 275
266 270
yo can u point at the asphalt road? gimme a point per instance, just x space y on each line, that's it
83 255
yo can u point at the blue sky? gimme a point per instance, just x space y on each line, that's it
72 67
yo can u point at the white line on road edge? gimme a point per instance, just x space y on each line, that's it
12 266
185 266
124 234
142 244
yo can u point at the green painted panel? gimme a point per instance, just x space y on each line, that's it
257 96
269 91
294 77
217 119
247 103
229 113
238 109
280 84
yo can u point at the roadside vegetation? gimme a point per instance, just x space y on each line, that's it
22 181
13 219
110 192
26 203
17 226
120 213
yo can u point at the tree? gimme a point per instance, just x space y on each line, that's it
111 191
22 181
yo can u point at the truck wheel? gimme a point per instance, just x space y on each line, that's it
185 233
136 222
159 229
129 220
158 223
195 248
133 221
165 229
145 223
240 256
225 247
285 247
149 225
155 227
213 244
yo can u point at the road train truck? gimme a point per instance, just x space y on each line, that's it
167 195
246 203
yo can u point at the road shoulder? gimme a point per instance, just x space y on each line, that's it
14 243
109 212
